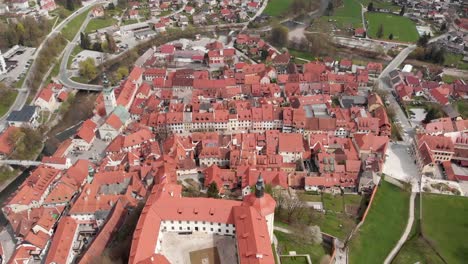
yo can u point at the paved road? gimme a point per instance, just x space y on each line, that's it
405 234
24 91
63 74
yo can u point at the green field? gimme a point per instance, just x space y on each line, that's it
98 23
129 21
380 4
445 225
402 28
70 30
334 221
462 108
346 16
7 100
383 226
277 7
416 249
289 242
302 55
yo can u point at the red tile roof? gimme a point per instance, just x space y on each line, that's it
62 241
6 146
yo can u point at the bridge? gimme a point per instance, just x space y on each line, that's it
25 163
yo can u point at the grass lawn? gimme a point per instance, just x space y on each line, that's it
346 16
7 100
289 242
301 54
445 225
308 197
98 23
60 9
79 79
336 224
129 21
449 78
277 7
380 4
452 59
402 28
70 30
462 107
383 226
165 13
294 260
6 174
416 249
55 71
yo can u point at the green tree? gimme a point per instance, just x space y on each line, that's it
279 35
85 41
330 8
443 27
88 69
423 40
402 11
370 7
380 31
122 72
122 4
433 112
70 5
213 191
111 45
390 37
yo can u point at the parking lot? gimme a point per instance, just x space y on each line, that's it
19 64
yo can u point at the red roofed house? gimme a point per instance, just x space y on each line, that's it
48 5
431 150
291 147
372 150
111 128
46 100
167 213
85 136
6 146
32 192
360 32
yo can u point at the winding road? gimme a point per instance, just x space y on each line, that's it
24 91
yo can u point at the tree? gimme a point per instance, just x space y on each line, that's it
111 6
279 35
424 40
443 27
390 37
112 47
402 11
70 5
330 8
88 69
213 191
433 112
85 41
97 46
122 4
370 7
292 207
122 71
380 31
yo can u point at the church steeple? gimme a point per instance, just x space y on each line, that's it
259 187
